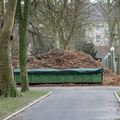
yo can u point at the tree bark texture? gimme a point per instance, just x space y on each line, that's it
118 27
2 11
7 84
22 44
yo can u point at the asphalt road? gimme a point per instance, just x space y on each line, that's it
75 103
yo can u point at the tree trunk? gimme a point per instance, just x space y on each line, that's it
118 65
2 11
22 45
7 85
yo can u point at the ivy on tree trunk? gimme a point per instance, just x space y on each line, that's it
22 19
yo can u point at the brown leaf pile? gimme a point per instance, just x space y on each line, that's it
65 59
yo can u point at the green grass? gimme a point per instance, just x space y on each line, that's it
118 93
11 105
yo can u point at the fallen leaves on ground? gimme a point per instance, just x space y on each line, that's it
66 59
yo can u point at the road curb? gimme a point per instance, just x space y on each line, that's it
117 97
28 106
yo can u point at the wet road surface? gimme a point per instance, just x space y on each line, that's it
75 103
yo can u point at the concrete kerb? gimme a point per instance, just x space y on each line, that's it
27 106
117 97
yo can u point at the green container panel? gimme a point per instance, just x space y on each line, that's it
62 78
53 79
97 78
45 78
31 79
79 78
17 78
70 78
40 79
87 78
35 78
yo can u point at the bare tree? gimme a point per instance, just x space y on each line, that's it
118 30
61 20
111 13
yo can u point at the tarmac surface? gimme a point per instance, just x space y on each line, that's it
75 103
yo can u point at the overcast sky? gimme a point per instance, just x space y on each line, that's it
97 0
93 0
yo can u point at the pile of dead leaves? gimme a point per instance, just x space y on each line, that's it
66 59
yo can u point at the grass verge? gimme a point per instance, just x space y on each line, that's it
118 93
11 105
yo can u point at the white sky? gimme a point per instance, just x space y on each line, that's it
96 0
93 1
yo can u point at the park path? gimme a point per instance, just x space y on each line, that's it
75 103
